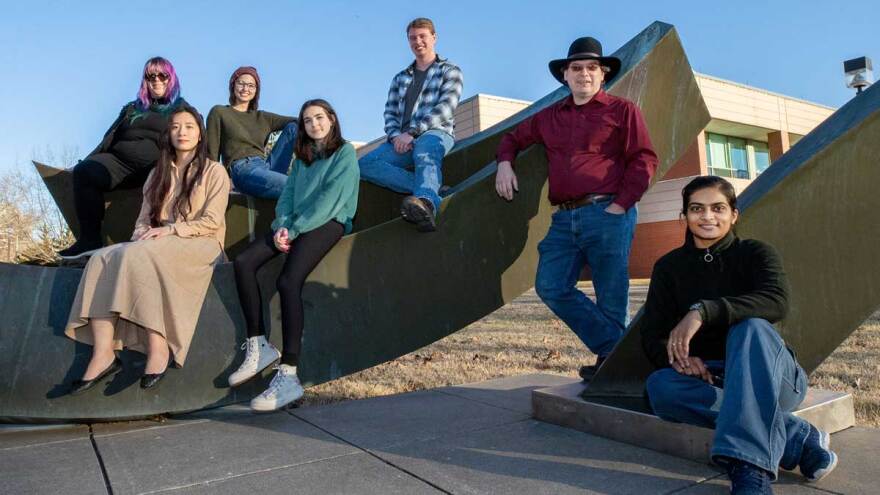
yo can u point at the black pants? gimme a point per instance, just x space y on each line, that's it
305 252
92 178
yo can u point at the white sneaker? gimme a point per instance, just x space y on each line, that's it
259 354
284 389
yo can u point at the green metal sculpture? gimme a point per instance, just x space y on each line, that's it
382 292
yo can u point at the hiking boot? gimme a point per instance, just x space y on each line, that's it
747 479
80 248
259 354
588 372
817 459
419 211
284 389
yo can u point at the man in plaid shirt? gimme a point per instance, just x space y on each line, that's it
418 123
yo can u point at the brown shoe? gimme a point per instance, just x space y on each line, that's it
419 211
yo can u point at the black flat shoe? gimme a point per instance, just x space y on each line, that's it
80 386
150 380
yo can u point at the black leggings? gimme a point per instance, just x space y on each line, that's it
305 252
91 179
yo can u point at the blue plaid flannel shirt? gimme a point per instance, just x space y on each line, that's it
434 106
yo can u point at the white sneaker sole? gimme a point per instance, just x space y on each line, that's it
257 372
267 406
80 255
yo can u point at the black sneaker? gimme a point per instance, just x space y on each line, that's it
747 479
419 211
80 248
588 372
817 459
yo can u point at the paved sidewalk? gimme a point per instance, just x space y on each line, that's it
476 438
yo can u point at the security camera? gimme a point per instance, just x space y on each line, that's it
859 73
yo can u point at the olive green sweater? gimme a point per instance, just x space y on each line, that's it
323 191
233 135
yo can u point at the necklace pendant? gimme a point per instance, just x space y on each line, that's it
708 257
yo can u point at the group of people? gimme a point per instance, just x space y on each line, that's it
708 320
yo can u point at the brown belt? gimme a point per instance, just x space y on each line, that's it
587 199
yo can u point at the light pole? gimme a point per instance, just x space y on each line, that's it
859 73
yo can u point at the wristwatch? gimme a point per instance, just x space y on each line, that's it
700 308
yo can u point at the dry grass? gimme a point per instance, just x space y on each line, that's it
524 337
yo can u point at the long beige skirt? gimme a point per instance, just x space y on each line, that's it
155 285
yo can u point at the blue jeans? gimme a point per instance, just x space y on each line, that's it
265 177
417 172
751 415
588 236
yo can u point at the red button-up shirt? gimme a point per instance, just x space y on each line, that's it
601 146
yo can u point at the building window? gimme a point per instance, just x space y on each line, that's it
735 157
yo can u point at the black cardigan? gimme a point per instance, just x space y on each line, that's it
739 279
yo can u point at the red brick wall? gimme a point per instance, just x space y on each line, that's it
653 240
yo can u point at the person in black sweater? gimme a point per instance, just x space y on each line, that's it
126 155
707 327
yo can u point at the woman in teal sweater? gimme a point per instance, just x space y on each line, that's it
315 209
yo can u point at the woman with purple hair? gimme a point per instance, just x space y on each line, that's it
237 135
126 155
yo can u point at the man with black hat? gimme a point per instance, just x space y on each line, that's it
600 163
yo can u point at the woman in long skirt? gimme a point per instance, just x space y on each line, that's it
146 295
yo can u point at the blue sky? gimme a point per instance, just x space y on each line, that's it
70 66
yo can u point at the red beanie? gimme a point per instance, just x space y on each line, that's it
251 71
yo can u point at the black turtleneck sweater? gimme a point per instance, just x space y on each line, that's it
734 279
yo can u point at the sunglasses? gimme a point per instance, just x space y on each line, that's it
161 76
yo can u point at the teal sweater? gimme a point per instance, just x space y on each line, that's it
323 191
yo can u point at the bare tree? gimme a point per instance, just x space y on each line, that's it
32 228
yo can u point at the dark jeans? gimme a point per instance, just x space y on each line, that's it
306 251
751 415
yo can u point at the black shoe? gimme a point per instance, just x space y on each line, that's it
419 211
747 479
150 380
588 372
82 247
80 386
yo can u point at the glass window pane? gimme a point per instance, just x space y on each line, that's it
716 145
739 157
762 156
721 172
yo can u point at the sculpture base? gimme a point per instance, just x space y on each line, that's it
630 420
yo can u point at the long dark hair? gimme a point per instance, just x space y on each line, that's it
706 182
160 182
304 146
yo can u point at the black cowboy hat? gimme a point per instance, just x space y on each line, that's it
585 48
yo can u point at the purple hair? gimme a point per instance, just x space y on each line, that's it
172 92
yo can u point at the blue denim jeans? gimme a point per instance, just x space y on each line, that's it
588 236
751 415
417 172
265 177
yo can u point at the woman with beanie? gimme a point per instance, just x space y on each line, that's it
237 135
